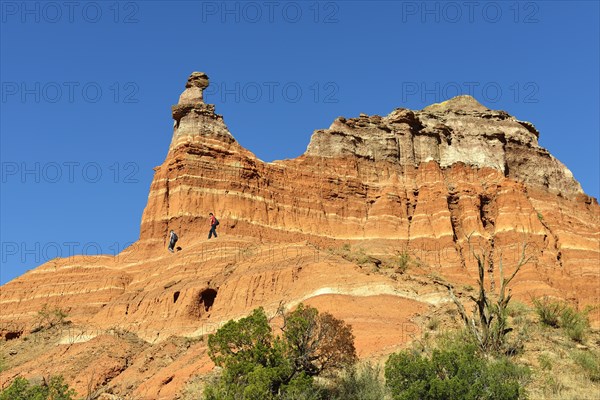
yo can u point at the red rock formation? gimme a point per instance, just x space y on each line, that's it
413 181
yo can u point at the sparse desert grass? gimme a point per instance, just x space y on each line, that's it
562 369
517 309
357 256
433 323
552 387
194 388
574 323
589 362
468 288
363 382
545 361
548 310
559 314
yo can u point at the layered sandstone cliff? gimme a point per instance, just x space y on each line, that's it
459 130
206 169
414 182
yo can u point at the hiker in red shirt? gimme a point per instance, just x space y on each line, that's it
213 225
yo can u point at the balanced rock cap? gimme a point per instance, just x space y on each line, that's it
196 83
197 79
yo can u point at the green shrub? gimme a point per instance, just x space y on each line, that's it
574 323
548 311
48 318
19 389
359 383
258 365
559 314
403 262
302 388
251 358
54 389
457 372
589 363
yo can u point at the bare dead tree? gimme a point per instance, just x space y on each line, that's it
488 322
90 386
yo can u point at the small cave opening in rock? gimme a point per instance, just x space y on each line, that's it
13 335
175 296
207 298
203 302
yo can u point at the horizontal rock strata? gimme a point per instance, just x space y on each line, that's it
433 184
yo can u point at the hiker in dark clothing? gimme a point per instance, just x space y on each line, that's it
172 240
213 226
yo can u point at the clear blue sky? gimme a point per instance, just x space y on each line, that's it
87 90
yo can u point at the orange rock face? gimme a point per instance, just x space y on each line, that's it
414 182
